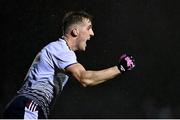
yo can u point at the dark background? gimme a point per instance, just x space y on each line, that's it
147 29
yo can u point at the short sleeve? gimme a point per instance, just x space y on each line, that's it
61 55
64 59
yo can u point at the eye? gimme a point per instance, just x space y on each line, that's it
89 27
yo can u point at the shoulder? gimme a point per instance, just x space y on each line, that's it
59 50
57 46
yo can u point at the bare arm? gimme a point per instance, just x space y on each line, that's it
91 78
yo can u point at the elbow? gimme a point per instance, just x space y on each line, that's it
86 83
86 79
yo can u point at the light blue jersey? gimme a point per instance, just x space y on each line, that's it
46 77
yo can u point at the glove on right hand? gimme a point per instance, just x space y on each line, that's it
126 63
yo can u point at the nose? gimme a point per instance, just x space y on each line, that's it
91 33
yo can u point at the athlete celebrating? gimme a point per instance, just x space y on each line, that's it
54 63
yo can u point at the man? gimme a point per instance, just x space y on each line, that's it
54 63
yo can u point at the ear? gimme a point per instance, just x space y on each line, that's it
74 32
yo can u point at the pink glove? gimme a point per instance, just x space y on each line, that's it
126 63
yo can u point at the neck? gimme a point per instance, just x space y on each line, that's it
70 41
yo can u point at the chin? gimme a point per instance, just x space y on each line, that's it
84 49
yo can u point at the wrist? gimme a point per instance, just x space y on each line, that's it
121 68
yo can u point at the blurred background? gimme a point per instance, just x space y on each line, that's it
147 29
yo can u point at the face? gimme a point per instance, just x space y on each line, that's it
85 33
